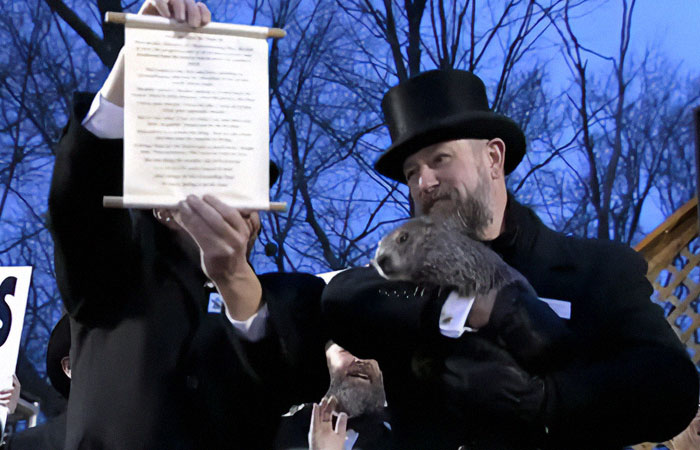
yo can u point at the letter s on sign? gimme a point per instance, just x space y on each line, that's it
6 288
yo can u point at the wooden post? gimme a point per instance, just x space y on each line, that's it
696 117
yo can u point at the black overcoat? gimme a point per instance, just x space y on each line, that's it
623 377
151 367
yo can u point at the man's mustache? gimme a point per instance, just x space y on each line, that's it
361 368
428 199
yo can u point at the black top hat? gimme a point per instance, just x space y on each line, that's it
438 106
58 348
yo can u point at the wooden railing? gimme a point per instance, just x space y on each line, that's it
673 253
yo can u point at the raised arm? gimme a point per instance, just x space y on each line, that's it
375 318
92 245
194 13
225 235
95 247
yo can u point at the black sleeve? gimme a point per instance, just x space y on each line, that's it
293 431
636 382
529 329
251 384
93 250
294 304
375 318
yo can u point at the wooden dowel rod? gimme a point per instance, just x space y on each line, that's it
276 33
115 17
118 202
212 27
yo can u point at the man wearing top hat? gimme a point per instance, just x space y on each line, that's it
608 371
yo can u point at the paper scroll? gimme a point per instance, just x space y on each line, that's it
196 113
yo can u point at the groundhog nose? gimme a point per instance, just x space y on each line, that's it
384 262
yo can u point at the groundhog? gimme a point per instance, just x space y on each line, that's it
443 252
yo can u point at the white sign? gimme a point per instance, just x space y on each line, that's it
14 289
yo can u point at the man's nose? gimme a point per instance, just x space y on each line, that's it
427 179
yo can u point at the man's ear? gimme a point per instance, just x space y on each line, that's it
496 149
65 365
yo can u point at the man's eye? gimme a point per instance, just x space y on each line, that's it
409 174
441 158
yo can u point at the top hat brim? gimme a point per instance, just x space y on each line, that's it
58 348
469 125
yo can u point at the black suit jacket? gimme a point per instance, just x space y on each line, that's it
623 378
148 361
50 435
240 395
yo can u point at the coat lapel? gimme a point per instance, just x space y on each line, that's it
540 254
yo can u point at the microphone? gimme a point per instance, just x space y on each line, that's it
270 249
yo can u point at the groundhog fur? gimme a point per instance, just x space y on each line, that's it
442 251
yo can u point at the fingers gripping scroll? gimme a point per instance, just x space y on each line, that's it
196 14
224 236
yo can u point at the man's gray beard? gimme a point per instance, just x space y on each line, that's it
357 399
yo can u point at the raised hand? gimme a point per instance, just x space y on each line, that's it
10 396
322 434
224 235
196 14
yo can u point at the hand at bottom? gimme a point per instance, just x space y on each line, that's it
322 435
10 396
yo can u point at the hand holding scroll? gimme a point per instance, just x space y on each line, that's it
225 237
195 14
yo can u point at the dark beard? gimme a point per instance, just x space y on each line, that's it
472 214
357 400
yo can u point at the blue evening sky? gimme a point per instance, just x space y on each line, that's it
671 27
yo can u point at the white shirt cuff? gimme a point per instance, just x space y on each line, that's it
453 315
105 119
253 329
